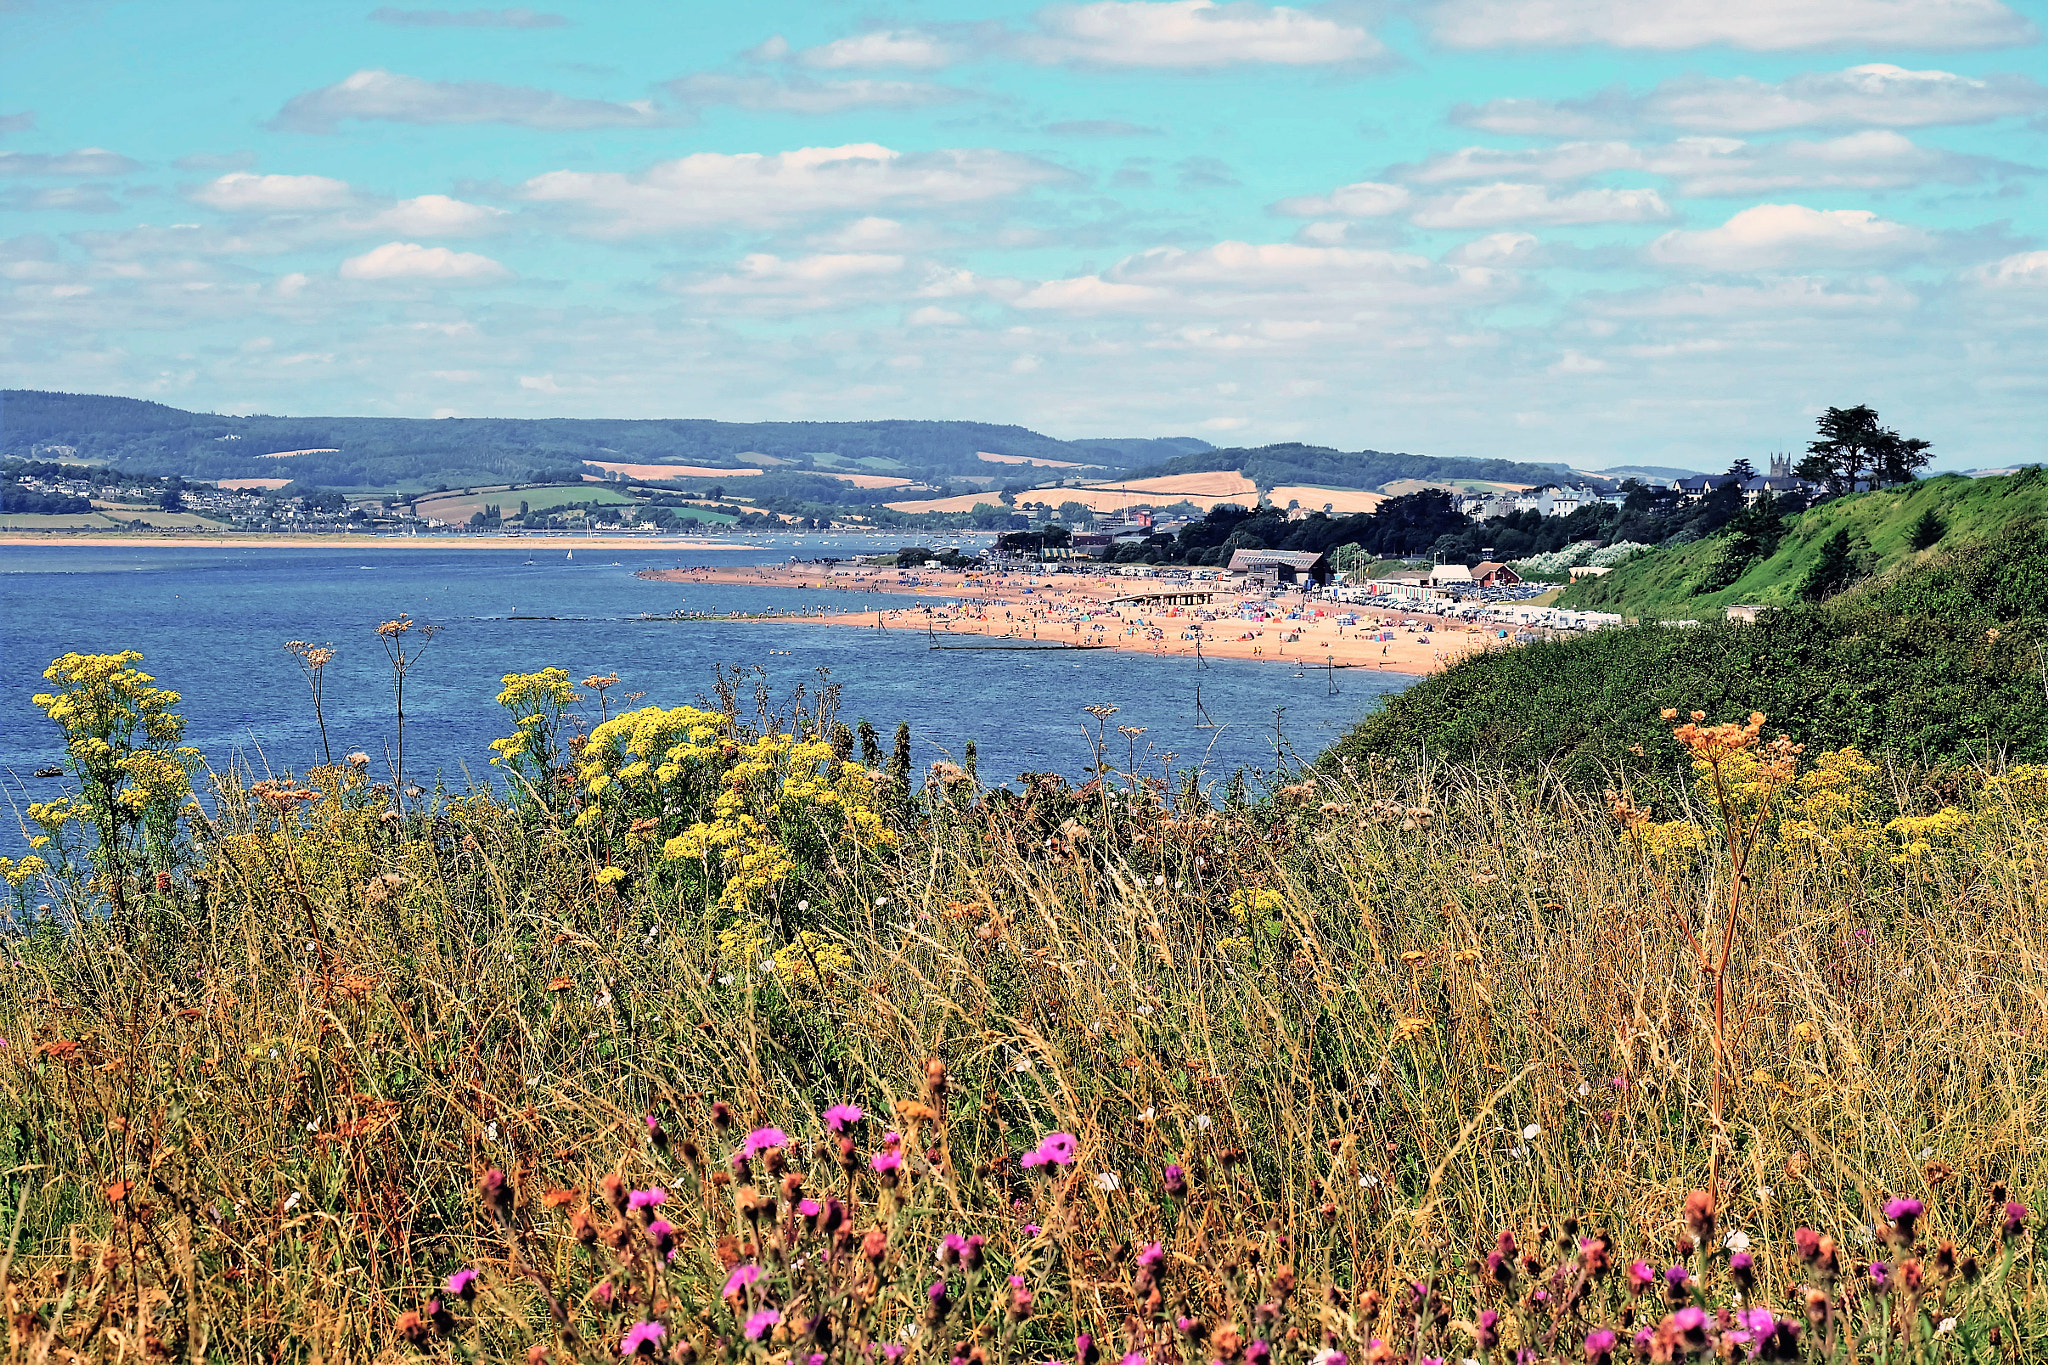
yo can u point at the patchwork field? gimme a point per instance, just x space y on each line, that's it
672 471
463 506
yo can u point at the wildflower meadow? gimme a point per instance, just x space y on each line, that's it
711 1032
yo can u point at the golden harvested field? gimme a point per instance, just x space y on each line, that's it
1028 459
1341 501
252 483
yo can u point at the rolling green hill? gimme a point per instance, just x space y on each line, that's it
390 452
1881 526
1294 463
1944 659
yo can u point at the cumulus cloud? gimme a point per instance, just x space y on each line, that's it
1778 236
409 261
1193 34
517 17
1876 95
246 192
1506 203
435 215
903 47
388 97
1715 166
84 161
2025 270
766 283
712 188
1760 25
1366 199
806 95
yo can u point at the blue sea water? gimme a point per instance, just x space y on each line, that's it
212 623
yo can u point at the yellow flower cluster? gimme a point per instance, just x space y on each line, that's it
1254 900
536 701
104 695
15 873
746 799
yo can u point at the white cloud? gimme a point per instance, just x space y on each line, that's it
84 161
2026 270
805 95
883 47
388 97
517 17
933 316
713 188
1761 25
1494 249
246 192
1366 199
1086 294
766 282
1193 33
1774 236
411 261
1493 205
1717 166
435 215
1875 95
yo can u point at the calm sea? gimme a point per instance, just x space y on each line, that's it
212 624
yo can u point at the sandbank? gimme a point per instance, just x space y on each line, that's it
1076 609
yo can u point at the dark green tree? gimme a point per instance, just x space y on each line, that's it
1927 530
870 745
1853 447
1842 561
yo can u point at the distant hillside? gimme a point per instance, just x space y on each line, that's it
1881 526
385 452
1274 466
1937 661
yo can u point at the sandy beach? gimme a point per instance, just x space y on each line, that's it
1074 609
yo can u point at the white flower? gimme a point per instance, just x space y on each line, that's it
1367 1181
604 998
725 980
1107 1181
1203 1121
312 946
1021 1064
1737 1241
1532 1132
881 900
510 958
273 1052
767 964
1944 1327
292 1202
1095 1027
1763 1191
803 905
313 1125
491 1130
1925 1152
1145 1009
1159 880
1180 886
532 1081
1584 1090
1518 1153
1151 1113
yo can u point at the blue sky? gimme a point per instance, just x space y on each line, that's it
1664 231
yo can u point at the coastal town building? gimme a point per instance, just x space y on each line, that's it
1280 566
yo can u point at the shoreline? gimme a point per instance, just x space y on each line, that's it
1076 609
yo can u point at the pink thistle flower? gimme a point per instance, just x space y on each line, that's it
1640 1277
758 1324
886 1163
663 1234
1600 1345
841 1117
761 1139
1175 1181
462 1284
642 1339
650 1198
741 1277
1059 1148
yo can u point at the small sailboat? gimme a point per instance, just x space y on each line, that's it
570 555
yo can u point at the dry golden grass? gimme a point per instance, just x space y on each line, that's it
1378 1020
